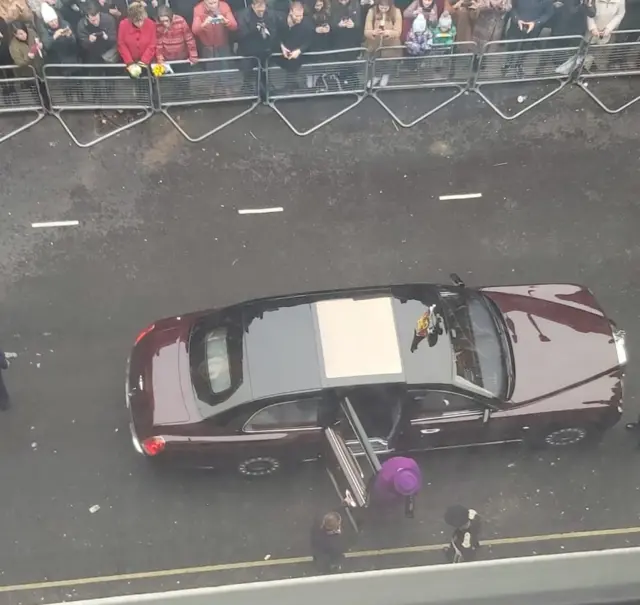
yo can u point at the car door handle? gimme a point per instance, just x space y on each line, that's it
429 431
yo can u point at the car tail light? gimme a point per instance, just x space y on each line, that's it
153 445
144 332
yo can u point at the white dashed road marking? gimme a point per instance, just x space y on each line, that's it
460 196
260 210
56 224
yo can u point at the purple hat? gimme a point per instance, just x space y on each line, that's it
406 482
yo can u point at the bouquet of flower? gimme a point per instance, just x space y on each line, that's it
158 70
134 70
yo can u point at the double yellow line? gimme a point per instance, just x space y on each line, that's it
164 573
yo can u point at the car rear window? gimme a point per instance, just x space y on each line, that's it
217 360
215 356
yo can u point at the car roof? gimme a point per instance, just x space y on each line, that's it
342 338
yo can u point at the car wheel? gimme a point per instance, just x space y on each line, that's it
260 466
566 436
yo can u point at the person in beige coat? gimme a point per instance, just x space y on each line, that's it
465 15
383 29
609 15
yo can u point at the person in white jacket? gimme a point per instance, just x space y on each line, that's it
609 15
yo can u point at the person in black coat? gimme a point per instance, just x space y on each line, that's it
8 88
258 30
97 34
327 543
57 37
258 36
465 540
320 14
528 18
296 37
4 394
570 19
346 26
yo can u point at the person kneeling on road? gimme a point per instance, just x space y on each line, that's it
465 540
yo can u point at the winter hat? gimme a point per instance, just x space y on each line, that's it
457 515
48 13
419 25
445 22
406 482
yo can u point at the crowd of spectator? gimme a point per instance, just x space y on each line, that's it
152 31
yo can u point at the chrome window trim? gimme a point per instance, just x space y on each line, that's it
303 429
348 465
444 415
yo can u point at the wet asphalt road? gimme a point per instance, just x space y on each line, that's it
160 235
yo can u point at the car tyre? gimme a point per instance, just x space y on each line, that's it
259 466
566 436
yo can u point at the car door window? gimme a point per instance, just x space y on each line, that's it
287 415
434 404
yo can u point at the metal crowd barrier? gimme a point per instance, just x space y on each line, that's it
447 67
210 81
338 73
318 76
20 95
531 60
618 58
103 87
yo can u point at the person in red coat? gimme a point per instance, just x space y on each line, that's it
137 36
212 22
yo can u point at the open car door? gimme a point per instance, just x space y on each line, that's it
350 476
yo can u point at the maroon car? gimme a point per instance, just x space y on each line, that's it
372 371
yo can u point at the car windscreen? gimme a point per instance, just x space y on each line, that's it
215 355
478 347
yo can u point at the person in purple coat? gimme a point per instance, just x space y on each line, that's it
397 482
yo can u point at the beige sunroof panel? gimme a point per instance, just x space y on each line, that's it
358 337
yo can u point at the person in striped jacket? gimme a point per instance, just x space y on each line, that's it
175 42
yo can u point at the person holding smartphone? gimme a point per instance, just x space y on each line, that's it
57 38
97 34
212 22
296 37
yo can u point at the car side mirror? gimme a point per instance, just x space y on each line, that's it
457 280
486 415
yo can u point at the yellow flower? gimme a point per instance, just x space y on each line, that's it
158 70
423 324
